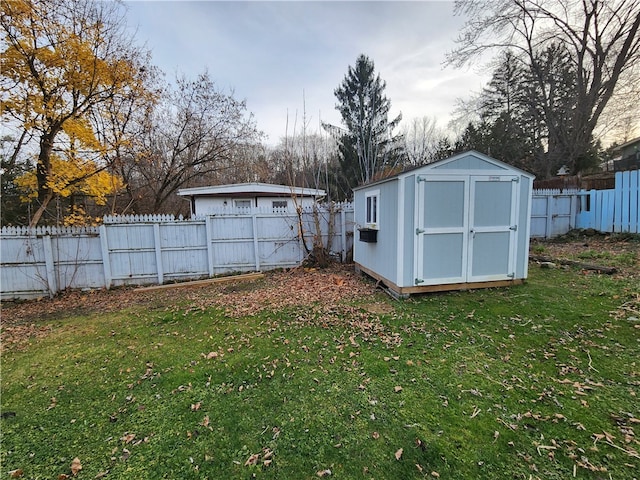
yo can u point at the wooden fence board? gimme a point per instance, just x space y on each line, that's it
634 203
613 210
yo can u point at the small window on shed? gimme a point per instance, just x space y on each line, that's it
279 205
372 204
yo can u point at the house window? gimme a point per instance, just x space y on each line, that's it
372 200
279 205
242 203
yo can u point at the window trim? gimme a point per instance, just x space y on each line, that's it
237 201
372 209
280 207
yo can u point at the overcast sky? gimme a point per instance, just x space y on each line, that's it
275 54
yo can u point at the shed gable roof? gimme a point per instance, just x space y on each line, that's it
469 160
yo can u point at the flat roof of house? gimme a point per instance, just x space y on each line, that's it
627 144
253 189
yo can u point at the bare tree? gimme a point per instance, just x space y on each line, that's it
421 139
598 41
196 134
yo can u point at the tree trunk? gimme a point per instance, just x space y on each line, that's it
44 203
43 171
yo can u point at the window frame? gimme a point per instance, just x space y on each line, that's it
238 203
283 205
372 209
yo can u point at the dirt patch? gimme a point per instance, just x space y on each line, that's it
621 251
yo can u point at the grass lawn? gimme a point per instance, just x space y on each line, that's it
536 381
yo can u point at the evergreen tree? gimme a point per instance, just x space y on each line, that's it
367 145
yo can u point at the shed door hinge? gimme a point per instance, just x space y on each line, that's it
516 179
511 275
514 228
421 178
418 281
419 231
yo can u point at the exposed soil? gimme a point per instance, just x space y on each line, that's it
621 251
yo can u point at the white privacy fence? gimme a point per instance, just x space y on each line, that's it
143 250
149 249
553 212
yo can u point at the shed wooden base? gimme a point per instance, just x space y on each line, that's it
406 291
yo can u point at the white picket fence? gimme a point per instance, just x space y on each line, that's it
161 249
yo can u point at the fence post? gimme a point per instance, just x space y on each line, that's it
208 225
256 249
106 262
158 249
343 233
547 228
49 265
634 202
573 210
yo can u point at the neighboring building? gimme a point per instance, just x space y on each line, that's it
462 222
627 156
245 196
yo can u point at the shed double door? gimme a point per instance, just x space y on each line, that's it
466 229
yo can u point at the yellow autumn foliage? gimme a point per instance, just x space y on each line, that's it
67 66
69 177
79 217
80 130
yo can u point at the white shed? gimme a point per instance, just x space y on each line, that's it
247 196
459 223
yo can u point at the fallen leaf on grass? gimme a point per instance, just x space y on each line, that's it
125 454
128 438
398 454
397 389
375 435
324 473
252 460
16 473
76 466
435 474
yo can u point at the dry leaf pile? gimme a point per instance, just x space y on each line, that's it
298 287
